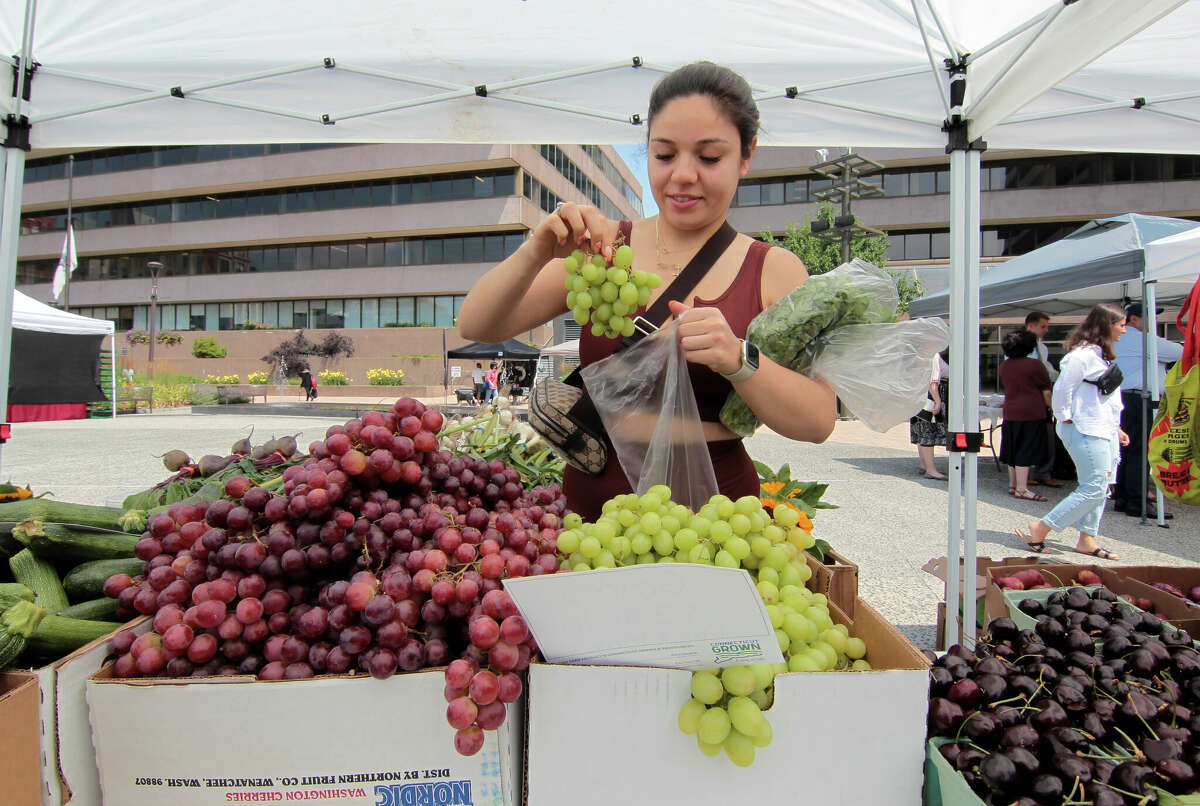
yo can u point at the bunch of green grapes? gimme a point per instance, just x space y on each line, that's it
607 294
727 705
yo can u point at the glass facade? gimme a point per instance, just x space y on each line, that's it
352 313
472 248
110 160
374 193
1045 172
610 171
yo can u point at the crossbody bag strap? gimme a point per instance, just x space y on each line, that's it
683 285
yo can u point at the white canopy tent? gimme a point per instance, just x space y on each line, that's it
1103 75
29 314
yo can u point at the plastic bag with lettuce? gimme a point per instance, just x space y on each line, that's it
840 327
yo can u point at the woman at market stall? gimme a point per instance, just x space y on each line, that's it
1023 440
703 123
1087 403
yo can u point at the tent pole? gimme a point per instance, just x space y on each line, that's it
963 411
1150 382
15 145
1045 21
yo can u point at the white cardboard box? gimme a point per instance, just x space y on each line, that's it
609 735
327 740
69 773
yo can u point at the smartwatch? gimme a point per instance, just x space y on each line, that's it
749 364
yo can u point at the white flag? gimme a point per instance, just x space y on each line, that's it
66 263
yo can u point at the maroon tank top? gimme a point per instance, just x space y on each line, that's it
740 303
735 472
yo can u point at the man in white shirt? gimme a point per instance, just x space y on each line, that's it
1128 491
1037 323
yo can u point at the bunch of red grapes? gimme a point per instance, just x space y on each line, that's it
383 553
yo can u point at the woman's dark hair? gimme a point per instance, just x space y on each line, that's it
728 90
1019 343
1096 328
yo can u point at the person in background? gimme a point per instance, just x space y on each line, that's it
307 384
491 382
1023 437
927 428
477 382
1127 493
1038 323
1089 424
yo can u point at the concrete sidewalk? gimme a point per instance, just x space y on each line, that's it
890 520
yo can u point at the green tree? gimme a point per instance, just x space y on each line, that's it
821 255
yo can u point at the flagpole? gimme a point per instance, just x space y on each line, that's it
70 232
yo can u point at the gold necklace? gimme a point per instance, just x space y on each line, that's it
662 253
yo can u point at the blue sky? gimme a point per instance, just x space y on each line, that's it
635 158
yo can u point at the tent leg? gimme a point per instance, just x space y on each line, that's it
12 182
964 389
10 220
1150 383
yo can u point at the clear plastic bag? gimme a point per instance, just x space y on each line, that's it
645 399
878 368
881 371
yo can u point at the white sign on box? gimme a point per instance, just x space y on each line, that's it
670 615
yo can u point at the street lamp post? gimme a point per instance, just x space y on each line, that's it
155 267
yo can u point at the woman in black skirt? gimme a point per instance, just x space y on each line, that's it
1023 441
927 429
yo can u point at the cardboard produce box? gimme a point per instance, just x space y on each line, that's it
1183 577
1166 606
20 739
937 566
68 760
329 740
838 580
608 734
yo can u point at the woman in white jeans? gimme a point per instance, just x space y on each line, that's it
1089 426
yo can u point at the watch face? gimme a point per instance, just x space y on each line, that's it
751 355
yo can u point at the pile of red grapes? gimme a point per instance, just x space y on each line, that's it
383 553
1098 704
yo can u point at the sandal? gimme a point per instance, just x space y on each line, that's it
1012 491
1103 554
1049 482
1037 547
1029 495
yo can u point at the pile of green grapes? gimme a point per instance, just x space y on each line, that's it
607 295
727 705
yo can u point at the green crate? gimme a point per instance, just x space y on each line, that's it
1013 598
944 786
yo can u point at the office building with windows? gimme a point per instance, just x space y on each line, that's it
1028 199
298 236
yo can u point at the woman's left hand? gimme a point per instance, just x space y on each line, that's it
1122 437
707 339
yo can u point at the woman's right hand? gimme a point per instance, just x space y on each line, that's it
568 228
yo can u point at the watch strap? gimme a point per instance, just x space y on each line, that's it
744 371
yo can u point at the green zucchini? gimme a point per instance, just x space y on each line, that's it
16 590
59 543
61 512
86 580
39 576
57 636
102 609
17 623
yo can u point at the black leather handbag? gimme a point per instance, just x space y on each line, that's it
561 412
